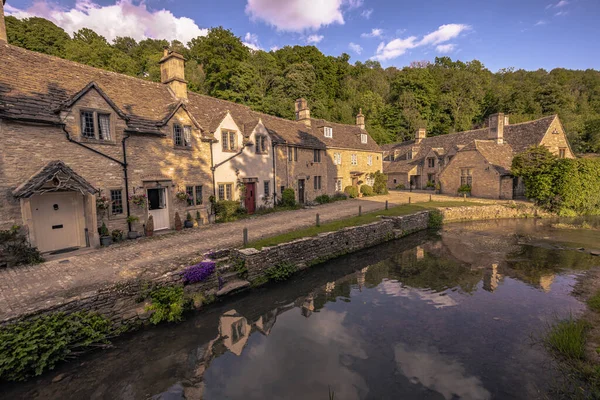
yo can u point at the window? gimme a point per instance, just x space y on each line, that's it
409 155
337 158
87 124
187 136
328 132
194 193
353 159
228 140
431 162
104 126
466 176
282 188
267 189
363 138
317 155
562 153
369 180
178 135
395 181
369 160
261 144
338 185
116 202
317 182
431 178
292 153
225 191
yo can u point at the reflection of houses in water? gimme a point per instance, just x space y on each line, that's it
420 252
360 277
546 281
235 330
491 278
329 287
308 306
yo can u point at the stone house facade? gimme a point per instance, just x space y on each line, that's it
82 147
480 159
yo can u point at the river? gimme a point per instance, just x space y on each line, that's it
457 314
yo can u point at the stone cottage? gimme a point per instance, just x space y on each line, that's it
82 147
480 158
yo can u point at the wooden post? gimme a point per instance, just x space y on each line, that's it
430 198
386 204
409 200
359 211
464 197
318 222
245 236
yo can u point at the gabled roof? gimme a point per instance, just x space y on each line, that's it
344 136
499 156
34 85
61 176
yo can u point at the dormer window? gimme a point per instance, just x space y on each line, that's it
363 138
95 125
261 144
182 135
409 155
228 140
328 132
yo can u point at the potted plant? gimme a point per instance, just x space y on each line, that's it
132 234
178 224
150 226
105 238
189 222
182 196
117 235
139 200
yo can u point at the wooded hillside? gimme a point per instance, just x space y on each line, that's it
445 96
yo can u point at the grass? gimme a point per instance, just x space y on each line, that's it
364 219
567 339
594 302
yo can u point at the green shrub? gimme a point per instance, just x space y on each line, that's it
567 338
430 184
379 183
28 348
594 302
400 186
117 235
280 272
339 196
464 189
351 191
366 190
167 303
288 197
228 210
15 248
436 219
323 199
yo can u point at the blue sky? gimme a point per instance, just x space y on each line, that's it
527 34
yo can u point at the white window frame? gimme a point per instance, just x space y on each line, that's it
328 132
337 158
369 160
339 184
363 138
353 159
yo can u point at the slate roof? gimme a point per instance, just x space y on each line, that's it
35 86
67 178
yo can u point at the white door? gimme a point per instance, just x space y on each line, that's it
58 220
158 208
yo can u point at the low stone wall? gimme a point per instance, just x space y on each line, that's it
496 211
314 250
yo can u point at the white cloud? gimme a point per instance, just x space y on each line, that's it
357 48
124 18
445 48
561 3
558 14
366 13
398 47
374 33
352 4
540 22
314 39
274 48
296 15
251 41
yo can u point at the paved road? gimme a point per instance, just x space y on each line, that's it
24 289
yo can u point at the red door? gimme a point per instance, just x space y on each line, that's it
250 200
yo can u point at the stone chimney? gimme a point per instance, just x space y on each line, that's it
360 119
302 111
421 134
497 122
3 37
172 73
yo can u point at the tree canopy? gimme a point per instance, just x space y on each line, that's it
444 96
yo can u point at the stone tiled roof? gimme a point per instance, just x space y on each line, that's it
344 136
65 177
498 155
34 86
402 167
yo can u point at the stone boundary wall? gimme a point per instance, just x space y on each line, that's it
309 251
496 211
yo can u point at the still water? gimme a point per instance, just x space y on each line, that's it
452 315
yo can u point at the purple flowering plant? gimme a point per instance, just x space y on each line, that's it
199 272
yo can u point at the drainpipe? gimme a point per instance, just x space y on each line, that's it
126 180
274 175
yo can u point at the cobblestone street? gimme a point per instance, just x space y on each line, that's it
25 289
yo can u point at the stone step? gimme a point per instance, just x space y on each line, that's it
224 268
229 276
233 286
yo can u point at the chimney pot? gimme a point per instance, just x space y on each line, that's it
302 111
496 129
421 134
172 73
360 119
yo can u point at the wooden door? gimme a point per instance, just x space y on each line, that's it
250 199
58 220
301 191
158 208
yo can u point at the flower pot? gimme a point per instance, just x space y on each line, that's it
106 240
132 234
188 224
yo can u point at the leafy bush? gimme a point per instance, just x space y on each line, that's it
288 198
167 303
239 266
28 348
366 190
436 219
280 272
228 210
400 186
339 196
199 272
379 183
351 191
430 184
323 199
117 235
15 249
464 189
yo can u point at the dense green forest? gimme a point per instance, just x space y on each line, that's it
444 95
